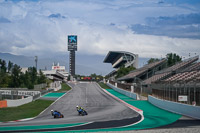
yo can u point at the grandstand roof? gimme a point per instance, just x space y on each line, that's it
142 70
119 58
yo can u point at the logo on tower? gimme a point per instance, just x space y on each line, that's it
72 42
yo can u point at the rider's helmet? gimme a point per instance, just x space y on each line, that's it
51 110
77 106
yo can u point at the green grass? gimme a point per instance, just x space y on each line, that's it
64 88
24 111
104 85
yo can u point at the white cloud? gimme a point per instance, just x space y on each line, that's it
32 32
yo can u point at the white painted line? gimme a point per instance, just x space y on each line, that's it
128 105
81 124
86 95
56 100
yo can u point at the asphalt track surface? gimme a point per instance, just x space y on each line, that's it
102 110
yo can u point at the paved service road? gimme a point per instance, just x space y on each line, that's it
100 107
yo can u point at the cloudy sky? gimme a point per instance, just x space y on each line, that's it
150 28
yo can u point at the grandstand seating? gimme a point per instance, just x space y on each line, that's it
142 70
185 77
156 77
168 71
181 65
195 66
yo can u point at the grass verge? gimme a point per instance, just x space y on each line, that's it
24 111
64 88
104 85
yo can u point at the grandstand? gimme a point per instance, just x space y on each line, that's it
163 74
193 67
169 83
183 80
191 76
119 59
145 72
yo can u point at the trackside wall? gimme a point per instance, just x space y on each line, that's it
127 93
15 103
184 109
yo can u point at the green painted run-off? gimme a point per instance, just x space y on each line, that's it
54 95
39 127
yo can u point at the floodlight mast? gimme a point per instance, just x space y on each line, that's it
36 60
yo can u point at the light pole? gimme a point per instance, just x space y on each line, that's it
36 60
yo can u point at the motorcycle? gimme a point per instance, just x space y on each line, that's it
82 112
57 114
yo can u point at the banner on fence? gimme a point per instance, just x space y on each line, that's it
182 98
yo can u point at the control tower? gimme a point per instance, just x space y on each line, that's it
72 47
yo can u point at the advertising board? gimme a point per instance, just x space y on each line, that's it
72 42
182 98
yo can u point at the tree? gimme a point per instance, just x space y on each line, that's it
93 75
27 80
3 66
10 66
152 60
18 79
33 74
41 78
15 76
172 59
4 80
124 71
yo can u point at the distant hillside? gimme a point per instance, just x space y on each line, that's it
85 64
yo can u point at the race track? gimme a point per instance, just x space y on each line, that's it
102 110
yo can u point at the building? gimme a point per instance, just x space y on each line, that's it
57 73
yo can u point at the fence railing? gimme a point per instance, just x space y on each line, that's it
178 92
137 88
40 86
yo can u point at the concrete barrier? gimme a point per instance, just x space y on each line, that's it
19 92
127 93
18 102
179 108
56 85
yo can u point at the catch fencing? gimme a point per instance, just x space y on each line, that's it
40 86
187 93
132 87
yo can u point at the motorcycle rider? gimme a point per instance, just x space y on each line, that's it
80 109
54 112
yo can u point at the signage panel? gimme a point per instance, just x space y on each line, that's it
72 42
182 98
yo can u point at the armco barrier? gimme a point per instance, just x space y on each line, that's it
183 109
15 103
127 93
